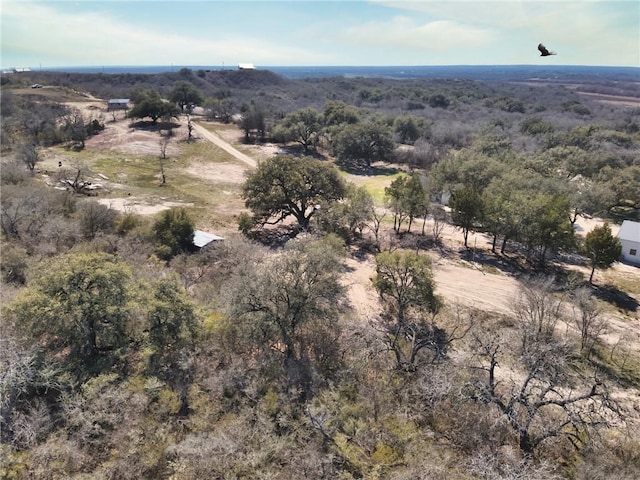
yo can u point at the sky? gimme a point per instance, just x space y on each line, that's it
65 33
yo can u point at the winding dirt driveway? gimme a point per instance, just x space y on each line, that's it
227 147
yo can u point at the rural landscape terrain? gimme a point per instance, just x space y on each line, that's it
418 278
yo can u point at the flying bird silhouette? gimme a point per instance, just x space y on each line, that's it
544 52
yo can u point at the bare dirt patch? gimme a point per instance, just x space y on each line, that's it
613 99
140 205
218 173
471 284
121 136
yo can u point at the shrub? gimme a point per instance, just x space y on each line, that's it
174 233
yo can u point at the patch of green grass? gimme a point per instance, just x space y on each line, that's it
203 151
374 184
216 127
133 171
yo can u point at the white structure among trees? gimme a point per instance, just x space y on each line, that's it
629 236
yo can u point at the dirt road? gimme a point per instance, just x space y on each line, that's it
218 141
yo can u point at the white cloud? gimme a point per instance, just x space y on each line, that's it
592 31
57 38
440 35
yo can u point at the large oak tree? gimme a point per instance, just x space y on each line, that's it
78 308
185 94
302 126
284 186
153 106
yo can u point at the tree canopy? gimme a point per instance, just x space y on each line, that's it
78 307
466 209
405 283
288 307
363 142
173 230
284 186
153 106
185 94
407 198
602 248
302 126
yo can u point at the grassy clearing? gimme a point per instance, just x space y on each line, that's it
57 94
375 184
218 127
203 151
623 281
139 176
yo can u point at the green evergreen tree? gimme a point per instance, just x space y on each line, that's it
602 248
466 209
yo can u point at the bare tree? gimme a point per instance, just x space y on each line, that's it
418 341
76 178
540 404
537 310
23 372
95 218
75 128
439 216
586 317
374 225
189 128
28 153
24 211
164 143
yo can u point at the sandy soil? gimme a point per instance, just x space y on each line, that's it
140 205
219 172
119 136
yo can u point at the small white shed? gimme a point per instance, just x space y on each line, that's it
629 237
117 104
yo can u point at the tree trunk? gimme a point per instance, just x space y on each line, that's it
524 441
593 269
543 256
504 245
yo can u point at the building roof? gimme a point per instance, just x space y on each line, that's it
629 231
119 100
201 239
246 66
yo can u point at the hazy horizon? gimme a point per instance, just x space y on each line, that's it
310 33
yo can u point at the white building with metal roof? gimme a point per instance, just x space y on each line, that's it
629 237
201 239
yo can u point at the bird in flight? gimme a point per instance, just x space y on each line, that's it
544 52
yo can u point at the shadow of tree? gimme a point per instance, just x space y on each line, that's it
274 236
616 297
153 127
361 168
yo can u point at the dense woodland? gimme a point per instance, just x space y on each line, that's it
127 353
